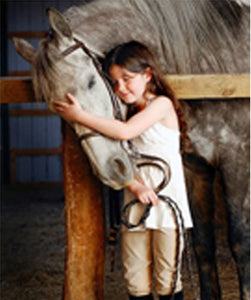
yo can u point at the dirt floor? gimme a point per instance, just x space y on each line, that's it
33 250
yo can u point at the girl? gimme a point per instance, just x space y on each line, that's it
154 124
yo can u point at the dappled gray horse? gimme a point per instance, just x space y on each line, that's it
196 36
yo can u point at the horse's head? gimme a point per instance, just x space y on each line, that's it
61 65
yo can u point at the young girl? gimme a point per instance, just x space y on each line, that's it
154 124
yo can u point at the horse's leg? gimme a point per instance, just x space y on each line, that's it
200 178
236 179
84 225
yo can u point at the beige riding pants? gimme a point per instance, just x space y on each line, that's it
146 254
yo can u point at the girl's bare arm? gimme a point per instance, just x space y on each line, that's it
116 129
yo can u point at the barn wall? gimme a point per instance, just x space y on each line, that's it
33 132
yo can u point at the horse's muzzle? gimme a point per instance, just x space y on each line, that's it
121 171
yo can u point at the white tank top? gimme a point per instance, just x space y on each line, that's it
165 143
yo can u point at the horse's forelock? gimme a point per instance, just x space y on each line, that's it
45 74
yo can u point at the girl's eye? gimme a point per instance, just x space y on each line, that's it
126 78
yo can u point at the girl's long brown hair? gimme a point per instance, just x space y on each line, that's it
136 57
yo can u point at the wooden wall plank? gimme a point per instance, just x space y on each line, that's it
199 86
19 73
14 90
27 34
209 86
37 151
30 112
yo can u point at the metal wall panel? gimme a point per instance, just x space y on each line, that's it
27 131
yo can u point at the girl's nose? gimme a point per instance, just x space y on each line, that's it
120 86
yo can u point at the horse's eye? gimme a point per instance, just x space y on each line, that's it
91 82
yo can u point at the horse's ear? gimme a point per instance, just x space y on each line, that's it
58 23
24 49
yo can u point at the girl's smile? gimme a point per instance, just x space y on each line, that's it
129 86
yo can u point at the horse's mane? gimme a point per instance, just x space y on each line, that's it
193 31
190 35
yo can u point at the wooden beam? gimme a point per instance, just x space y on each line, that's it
210 86
16 90
36 151
19 73
27 34
199 86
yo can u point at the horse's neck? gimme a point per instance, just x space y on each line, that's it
96 22
104 24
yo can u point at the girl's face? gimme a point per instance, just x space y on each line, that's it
129 86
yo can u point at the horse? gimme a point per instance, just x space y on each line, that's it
188 37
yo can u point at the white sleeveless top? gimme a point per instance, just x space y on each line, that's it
165 143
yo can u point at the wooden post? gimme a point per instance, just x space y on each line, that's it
85 255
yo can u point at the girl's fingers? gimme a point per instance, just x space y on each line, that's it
151 198
58 104
147 195
58 107
70 98
154 199
143 200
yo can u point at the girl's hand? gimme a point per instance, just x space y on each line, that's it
70 111
143 193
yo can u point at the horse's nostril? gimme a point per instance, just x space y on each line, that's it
119 171
120 165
